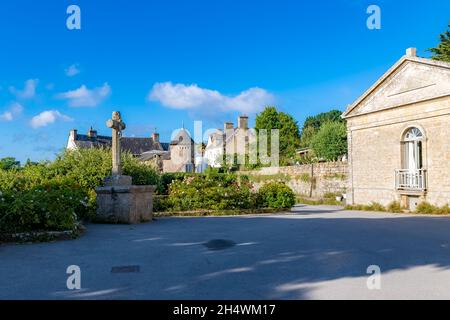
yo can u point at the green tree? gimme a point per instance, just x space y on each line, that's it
270 119
318 120
307 135
442 51
330 142
9 163
314 123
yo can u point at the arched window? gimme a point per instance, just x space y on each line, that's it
412 149
413 134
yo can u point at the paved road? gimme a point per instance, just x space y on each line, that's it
312 253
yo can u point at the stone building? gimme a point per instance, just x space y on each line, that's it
230 141
398 136
135 146
182 153
176 156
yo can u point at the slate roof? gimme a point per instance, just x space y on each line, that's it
135 146
182 138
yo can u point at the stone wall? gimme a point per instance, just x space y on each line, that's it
311 180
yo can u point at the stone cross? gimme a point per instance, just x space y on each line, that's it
117 126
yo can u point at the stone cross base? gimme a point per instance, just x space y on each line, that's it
126 204
118 180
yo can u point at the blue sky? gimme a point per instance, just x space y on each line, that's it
164 62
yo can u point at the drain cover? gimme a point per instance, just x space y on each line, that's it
219 244
126 269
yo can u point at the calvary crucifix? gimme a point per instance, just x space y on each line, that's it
117 126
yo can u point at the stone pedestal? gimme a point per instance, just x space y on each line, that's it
120 202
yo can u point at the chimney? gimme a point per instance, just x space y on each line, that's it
411 52
228 126
243 122
155 137
92 134
73 134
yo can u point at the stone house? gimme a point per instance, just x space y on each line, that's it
167 157
182 153
399 136
230 141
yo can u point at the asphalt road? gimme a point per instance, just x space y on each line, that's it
311 253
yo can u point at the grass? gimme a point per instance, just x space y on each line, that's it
283 177
427 208
218 213
395 207
317 202
266 178
374 206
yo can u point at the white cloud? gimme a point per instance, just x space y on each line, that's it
48 117
181 96
84 97
29 90
7 116
13 110
72 70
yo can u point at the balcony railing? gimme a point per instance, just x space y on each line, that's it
412 180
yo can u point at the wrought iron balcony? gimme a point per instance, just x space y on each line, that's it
411 180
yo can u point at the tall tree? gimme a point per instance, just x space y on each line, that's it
442 51
270 119
314 123
330 142
318 120
9 163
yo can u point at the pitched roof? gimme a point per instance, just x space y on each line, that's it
182 137
135 146
395 68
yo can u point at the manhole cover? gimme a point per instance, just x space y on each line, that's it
219 244
126 269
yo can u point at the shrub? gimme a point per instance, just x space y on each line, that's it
54 195
210 192
52 205
331 195
276 195
141 173
167 178
427 208
373 206
161 203
89 167
394 207
317 202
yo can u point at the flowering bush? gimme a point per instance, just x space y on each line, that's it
276 195
52 205
210 192
55 195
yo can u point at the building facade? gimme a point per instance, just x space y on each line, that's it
229 142
399 136
176 156
182 153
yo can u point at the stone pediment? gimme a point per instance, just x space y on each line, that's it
410 80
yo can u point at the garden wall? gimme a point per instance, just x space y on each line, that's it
310 180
